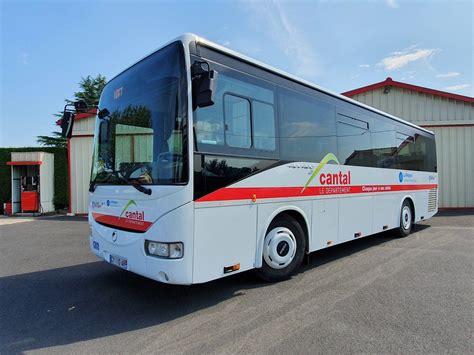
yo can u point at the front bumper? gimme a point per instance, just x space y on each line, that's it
105 241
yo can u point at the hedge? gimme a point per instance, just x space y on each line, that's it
61 183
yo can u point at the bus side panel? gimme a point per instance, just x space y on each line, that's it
223 236
355 217
385 212
325 223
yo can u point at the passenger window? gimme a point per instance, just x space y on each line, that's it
353 140
426 149
242 117
307 127
406 152
263 126
384 144
237 121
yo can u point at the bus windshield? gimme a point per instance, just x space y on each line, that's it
141 129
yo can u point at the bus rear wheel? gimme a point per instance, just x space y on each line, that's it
283 249
406 219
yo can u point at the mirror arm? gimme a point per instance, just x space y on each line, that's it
197 70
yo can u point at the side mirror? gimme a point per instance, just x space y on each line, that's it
67 123
206 89
81 106
204 84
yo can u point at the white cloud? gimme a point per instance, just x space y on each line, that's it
225 43
392 3
364 65
457 87
399 59
451 74
272 19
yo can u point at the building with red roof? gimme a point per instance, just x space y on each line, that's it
450 116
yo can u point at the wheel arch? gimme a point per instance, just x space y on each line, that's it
292 211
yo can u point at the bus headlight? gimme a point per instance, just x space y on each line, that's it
164 250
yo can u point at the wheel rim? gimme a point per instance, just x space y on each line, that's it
279 248
406 217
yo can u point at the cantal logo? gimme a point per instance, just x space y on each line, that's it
128 204
136 215
342 178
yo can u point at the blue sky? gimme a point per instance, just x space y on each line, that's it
47 46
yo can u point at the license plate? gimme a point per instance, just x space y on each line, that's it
119 261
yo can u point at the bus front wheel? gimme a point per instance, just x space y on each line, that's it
283 249
406 219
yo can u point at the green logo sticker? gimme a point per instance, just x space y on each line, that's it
329 157
129 203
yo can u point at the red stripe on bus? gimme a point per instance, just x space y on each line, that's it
120 222
244 193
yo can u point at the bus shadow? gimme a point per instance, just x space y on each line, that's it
93 300
88 301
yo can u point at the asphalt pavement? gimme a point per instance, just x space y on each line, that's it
379 294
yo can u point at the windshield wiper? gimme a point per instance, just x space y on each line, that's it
140 187
117 175
134 183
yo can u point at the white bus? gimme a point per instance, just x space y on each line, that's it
208 163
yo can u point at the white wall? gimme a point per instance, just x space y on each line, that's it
47 182
80 162
455 154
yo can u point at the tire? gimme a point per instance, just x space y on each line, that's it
283 249
406 219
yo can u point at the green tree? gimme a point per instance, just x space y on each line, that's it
56 140
90 90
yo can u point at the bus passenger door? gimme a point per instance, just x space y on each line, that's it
355 156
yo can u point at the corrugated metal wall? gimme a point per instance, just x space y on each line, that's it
455 153
454 143
80 155
47 182
418 107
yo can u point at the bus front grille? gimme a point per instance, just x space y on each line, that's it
432 199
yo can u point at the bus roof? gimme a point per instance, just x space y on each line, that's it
191 37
